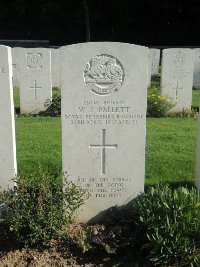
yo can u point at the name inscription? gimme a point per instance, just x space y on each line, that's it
103 113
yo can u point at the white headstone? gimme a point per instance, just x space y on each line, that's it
196 75
35 79
155 59
104 87
55 67
177 77
15 66
8 165
149 68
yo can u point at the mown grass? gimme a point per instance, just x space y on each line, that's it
16 97
170 148
38 145
196 98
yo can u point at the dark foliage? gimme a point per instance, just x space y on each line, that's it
66 21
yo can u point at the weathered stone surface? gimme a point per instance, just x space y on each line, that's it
177 77
196 75
155 59
15 66
104 87
8 165
149 68
35 79
55 67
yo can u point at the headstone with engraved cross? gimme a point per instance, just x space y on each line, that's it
104 89
15 66
177 77
35 79
8 165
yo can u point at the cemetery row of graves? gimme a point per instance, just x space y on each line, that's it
103 141
180 72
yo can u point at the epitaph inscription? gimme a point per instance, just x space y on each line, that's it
34 60
104 74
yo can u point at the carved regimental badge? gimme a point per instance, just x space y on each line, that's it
179 59
34 60
104 74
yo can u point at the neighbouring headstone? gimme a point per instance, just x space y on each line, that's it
196 75
55 67
155 60
104 90
8 165
197 181
15 67
149 68
35 79
177 77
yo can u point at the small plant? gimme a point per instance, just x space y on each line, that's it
157 105
172 221
42 207
185 113
53 107
79 235
156 78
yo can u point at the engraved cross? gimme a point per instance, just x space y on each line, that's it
176 92
35 87
103 147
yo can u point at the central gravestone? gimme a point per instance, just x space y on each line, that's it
104 122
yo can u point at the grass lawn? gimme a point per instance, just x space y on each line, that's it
170 148
38 145
195 98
